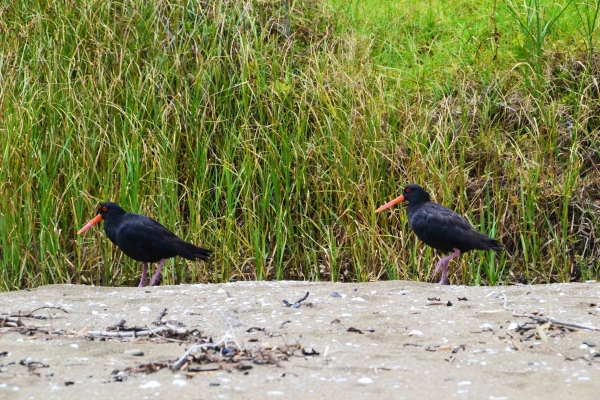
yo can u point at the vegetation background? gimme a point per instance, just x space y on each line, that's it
270 130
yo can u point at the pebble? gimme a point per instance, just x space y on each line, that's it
493 294
403 292
145 309
335 294
150 385
358 299
589 343
179 382
513 326
415 333
365 381
486 327
134 352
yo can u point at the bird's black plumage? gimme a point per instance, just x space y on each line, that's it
442 228
144 239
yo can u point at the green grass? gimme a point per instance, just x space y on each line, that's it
275 151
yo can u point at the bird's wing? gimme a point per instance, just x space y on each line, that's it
440 227
140 232
141 229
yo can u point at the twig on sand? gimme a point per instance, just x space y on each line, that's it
297 303
183 359
14 320
555 321
158 321
10 321
540 319
230 330
230 333
30 314
148 332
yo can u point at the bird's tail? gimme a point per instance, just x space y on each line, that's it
494 245
198 253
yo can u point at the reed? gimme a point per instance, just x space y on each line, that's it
274 147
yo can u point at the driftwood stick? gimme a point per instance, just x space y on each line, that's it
183 359
10 320
121 334
40 308
555 321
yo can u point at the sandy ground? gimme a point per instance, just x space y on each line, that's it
412 346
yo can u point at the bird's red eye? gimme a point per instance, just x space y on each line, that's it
104 209
408 190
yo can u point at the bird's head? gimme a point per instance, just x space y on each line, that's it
106 210
412 193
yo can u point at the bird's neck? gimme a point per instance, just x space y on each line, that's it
111 226
415 205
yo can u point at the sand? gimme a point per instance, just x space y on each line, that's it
412 346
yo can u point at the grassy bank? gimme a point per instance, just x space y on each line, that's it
273 145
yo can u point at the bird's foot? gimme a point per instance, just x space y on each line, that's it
154 280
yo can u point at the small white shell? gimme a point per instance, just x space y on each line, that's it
486 327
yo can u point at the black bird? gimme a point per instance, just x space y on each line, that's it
143 239
441 228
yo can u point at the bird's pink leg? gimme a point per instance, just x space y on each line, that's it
443 263
144 272
157 273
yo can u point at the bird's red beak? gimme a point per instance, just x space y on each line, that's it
391 203
93 222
